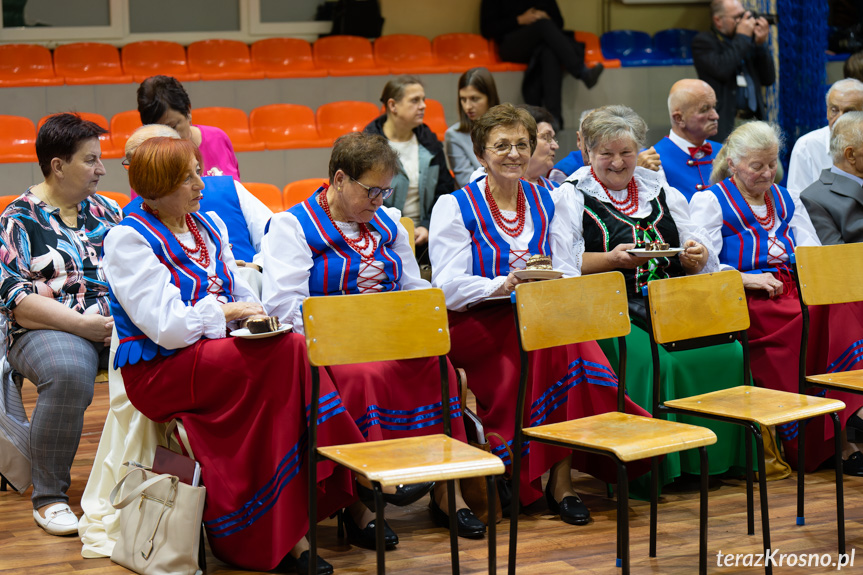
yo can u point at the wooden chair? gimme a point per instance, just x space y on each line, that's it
561 312
412 324
703 310
409 227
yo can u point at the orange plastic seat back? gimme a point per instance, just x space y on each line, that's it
105 140
296 192
282 126
593 50
222 59
123 125
350 54
435 118
406 54
27 65
267 193
233 121
151 58
6 200
17 139
89 63
464 51
285 58
338 118
118 197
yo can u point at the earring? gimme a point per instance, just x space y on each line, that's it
339 189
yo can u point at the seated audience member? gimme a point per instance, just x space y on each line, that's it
341 240
480 235
617 206
811 153
687 153
853 67
175 294
835 200
55 297
476 94
162 100
745 197
422 176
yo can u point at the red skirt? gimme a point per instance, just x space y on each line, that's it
835 344
244 405
567 382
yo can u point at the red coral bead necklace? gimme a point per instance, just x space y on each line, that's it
359 245
511 227
628 205
199 253
768 221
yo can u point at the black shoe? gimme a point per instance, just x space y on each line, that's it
301 564
853 465
365 537
404 495
571 509
591 75
855 422
468 524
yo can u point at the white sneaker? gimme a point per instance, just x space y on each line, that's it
58 520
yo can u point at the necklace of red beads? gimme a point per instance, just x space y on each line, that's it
199 253
511 227
629 204
359 245
768 221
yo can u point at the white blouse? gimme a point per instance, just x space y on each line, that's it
650 183
287 261
143 287
707 213
452 260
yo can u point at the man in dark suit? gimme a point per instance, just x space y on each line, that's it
835 200
733 57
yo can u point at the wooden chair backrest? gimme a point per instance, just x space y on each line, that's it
830 274
376 327
409 227
571 310
697 306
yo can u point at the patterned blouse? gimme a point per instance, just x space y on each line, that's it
40 254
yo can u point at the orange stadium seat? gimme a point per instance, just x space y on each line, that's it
435 118
122 126
267 193
6 200
337 118
495 56
593 51
285 58
296 192
149 58
286 126
461 52
17 139
407 54
118 197
26 65
222 60
346 56
109 150
234 122
89 63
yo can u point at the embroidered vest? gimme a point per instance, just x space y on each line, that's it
185 274
681 171
489 249
605 228
335 265
745 243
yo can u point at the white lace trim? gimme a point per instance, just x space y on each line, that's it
650 183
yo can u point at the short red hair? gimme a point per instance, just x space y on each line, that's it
158 166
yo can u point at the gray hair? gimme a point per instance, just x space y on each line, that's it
846 85
745 139
609 123
146 132
847 131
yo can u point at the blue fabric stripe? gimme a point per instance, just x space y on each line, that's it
848 358
405 420
501 452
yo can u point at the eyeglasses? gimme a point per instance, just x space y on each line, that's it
503 149
374 191
548 137
125 164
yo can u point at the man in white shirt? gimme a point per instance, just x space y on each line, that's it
811 153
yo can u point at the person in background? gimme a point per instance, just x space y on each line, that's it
811 153
476 94
853 67
55 295
687 153
423 175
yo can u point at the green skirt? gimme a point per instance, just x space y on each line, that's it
684 374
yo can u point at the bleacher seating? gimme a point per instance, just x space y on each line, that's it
631 47
89 63
17 139
122 126
267 193
593 52
26 65
296 192
435 118
337 118
109 150
222 60
407 54
460 52
6 200
234 122
118 197
285 58
674 46
346 56
286 126
150 58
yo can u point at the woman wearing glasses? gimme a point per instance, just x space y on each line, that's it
341 240
479 236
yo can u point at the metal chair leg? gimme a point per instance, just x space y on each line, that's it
750 498
492 524
3 483
840 489
514 508
623 515
654 498
762 495
453 525
380 543
801 471
702 516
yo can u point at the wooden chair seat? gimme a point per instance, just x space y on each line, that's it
758 404
414 459
629 437
850 380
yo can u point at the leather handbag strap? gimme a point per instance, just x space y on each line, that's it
138 491
181 432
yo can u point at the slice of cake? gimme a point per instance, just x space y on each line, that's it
263 325
538 262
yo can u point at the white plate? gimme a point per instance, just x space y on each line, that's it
640 253
537 274
246 334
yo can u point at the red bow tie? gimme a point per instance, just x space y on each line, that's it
705 147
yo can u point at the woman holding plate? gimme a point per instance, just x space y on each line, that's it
481 238
617 207
175 292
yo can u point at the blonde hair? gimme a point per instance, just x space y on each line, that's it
745 139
